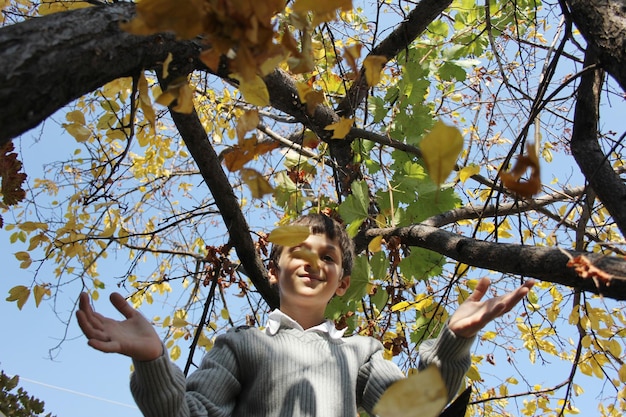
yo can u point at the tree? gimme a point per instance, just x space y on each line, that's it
285 111
17 404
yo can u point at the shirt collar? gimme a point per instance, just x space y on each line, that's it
277 320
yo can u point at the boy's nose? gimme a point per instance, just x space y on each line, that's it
309 257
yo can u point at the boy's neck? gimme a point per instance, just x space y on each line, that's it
304 316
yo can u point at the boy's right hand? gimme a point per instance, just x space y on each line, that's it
134 337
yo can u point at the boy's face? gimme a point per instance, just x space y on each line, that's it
310 273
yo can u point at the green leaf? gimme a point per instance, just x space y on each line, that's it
450 71
421 264
354 209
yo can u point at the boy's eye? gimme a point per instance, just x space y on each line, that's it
328 258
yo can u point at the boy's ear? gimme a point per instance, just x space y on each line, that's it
344 284
272 273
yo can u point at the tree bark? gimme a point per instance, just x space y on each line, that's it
603 25
592 161
545 264
47 62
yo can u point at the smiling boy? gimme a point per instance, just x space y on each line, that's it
300 365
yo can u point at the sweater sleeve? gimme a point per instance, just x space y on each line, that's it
451 354
160 389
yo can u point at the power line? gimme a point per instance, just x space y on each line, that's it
82 394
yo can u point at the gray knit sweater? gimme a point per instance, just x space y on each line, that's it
289 374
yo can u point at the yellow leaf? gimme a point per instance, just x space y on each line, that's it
144 100
40 291
75 116
179 322
185 18
374 64
166 65
440 149
248 121
341 128
467 172
80 132
184 100
321 6
401 306
257 184
19 294
375 244
175 353
422 394
254 90
289 235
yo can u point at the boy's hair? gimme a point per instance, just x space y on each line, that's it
321 224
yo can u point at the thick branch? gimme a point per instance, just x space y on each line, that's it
546 264
603 24
591 159
197 141
46 63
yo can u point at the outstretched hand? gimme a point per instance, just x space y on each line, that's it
134 337
474 314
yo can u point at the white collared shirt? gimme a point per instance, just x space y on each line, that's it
278 319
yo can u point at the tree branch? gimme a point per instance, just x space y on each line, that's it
587 152
543 263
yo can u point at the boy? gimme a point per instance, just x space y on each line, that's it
300 365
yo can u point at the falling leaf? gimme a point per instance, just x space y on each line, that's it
586 269
513 179
256 182
254 90
341 128
351 54
239 155
289 235
308 256
374 65
184 17
248 121
422 394
440 149
19 294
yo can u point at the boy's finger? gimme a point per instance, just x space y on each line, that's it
480 290
120 303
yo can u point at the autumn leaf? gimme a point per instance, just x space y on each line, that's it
236 157
184 17
374 65
289 235
248 121
19 294
178 90
351 54
586 269
144 100
12 179
468 171
513 179
440 149
422 394
341 128
375 244
39 291
256 182
254 90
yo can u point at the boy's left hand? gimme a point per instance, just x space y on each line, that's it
473 314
